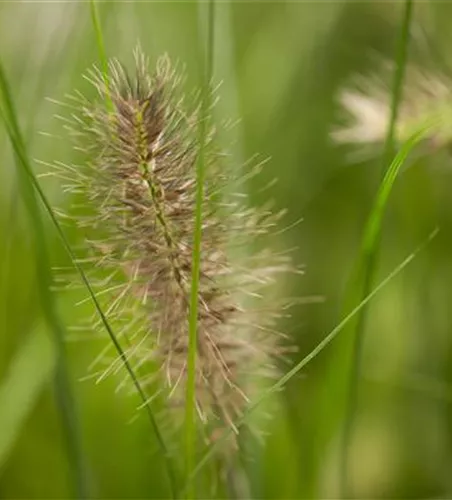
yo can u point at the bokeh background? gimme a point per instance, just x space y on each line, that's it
282 65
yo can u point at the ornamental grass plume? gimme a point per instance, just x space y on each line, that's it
426 102
137 190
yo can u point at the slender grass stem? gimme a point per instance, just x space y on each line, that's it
397 86
190 427
369 256
63 389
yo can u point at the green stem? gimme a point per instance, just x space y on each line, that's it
369 258
397 86
190 427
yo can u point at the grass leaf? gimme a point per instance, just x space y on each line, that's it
367 260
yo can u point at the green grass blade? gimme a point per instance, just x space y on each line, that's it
374 223
29 371
44 281
367 261
313 354
190 427
363 276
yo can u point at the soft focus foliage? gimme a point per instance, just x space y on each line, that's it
283 67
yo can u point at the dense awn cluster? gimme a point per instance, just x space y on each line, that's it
139 180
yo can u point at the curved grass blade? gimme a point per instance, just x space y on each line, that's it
374 223
364 277
369 253
44 281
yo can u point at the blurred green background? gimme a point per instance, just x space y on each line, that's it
282 65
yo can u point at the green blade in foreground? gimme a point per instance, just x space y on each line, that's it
361 284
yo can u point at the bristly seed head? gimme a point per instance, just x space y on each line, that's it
426 103
139 179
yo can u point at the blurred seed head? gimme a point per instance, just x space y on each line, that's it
426 102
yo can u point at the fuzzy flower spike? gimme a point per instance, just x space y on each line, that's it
138 189
426 104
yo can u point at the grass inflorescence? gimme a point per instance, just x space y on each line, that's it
138 183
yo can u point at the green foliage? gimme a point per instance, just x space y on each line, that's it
282 67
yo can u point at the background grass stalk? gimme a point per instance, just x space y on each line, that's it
368 258
63 389
397 86
190 427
